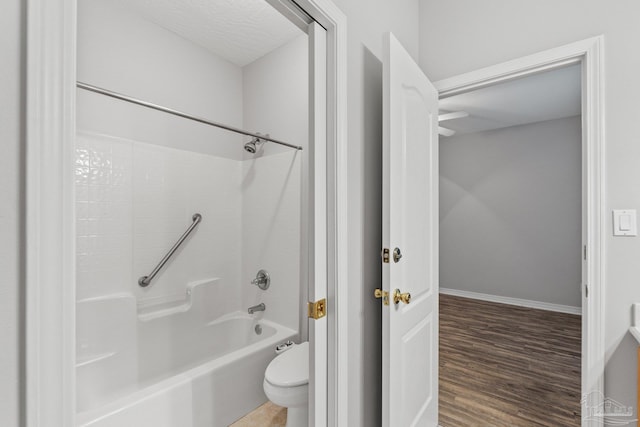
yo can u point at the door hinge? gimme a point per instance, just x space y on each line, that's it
584 252
586 291
385 255
317 310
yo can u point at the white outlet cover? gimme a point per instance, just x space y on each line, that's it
625 222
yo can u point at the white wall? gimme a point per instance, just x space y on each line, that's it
276 100
12 43
276 96
367 21
121 51
464 35
510 212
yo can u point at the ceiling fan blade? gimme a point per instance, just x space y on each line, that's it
451 116
446 132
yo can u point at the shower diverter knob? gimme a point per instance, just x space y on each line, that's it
262 280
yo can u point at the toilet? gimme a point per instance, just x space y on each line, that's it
286 383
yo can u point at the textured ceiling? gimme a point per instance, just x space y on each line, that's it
240 31
545 96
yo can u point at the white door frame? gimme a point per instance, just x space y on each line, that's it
50 217
590 53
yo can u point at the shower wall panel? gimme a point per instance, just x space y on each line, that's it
135 199
276 98
104 211
271 234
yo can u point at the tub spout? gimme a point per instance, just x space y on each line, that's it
259 307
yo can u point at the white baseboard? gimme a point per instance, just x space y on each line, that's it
513 301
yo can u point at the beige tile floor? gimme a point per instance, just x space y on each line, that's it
267 415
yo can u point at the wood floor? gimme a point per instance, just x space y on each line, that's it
502 365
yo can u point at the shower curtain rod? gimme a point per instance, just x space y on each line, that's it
132 100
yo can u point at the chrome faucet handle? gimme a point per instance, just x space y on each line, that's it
262 280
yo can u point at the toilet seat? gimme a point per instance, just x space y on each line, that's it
291 368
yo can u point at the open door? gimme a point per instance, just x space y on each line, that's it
316 212
410 243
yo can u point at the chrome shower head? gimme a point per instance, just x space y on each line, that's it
252 146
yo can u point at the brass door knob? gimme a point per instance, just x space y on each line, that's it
399 296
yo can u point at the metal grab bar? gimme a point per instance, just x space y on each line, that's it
145 281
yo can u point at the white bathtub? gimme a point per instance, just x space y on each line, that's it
183 373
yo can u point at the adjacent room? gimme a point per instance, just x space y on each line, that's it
510 252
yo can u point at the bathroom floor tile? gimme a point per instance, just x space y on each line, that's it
267 415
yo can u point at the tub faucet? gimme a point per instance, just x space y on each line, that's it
259 307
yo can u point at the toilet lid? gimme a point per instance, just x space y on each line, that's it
290 368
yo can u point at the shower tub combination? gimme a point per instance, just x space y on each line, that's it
176 367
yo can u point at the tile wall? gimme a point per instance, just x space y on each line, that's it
133 202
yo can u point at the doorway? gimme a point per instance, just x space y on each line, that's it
584 57
50 224
144 171
511 251
400 128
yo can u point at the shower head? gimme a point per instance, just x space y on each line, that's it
250 146
253 145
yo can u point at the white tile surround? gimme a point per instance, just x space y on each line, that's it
135 199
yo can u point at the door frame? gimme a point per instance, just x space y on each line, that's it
590 53
50 217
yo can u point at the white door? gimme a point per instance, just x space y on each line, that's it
316 212
410 223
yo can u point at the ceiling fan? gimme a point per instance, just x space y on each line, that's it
450 116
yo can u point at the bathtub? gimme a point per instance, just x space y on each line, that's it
171 370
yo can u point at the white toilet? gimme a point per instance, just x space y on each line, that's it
286 383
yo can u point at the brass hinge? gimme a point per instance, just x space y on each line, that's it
317 310
385 255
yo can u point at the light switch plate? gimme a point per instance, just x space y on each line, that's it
624 222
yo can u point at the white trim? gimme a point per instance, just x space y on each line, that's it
513 301
50 318
334 21
50 225
591 53
317 217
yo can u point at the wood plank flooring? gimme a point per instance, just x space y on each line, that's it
508 366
